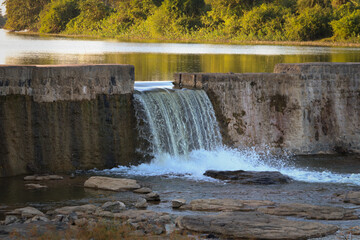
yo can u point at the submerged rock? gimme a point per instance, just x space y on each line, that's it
250 177
253 225
310 211
35 186
43 178
87 208
225 205
112 184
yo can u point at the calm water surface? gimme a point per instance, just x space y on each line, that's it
159 61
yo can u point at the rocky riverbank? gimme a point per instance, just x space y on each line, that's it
215 217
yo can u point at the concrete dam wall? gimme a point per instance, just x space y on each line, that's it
63 118
305 108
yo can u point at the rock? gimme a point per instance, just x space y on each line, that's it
81 222
249 177
310 211
143 190
253 225
26 212
112 184
352 197
141 203
55 177
87 208
116 206
225 205
11 219
152 197
35 186
30 178
177 203
39 219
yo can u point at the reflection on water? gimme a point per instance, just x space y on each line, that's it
159 61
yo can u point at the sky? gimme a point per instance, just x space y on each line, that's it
2 7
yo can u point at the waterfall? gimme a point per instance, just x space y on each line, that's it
175 121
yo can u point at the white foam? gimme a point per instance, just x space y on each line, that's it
198 161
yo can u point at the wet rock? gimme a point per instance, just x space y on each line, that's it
225 205
143 190
87 208
253 225
310 211
43 178
116 206
26 212
35 186
152 197
141 203
10 219
249 177
177 203
352 197
112 184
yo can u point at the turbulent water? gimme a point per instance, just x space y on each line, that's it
182 137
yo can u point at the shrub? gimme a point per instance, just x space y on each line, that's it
265 22
57 14
348 26
310 24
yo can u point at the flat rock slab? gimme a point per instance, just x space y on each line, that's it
112 184
253 225
352 197
310 211
225 205
43 178
26 212
249 177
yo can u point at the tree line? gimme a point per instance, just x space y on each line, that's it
211 20
2 19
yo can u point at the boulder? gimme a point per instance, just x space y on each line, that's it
250 177
310 211
225 205
26 212
352 197
115 206
143 190
10 219
141 203
112 184
177 203
35 186
253 225
152 197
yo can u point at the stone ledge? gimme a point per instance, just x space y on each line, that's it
48 83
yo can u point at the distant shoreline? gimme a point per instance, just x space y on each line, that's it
319 43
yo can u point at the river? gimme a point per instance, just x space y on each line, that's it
159 61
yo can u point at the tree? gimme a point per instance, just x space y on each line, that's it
23 14
2 20
57 14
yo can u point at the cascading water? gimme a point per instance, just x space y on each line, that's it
179 132
176 122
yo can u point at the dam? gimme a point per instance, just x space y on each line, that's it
79 117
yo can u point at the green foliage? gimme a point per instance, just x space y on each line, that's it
348 26
303 4
23 14
57 14
311 24
265 22
92 12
